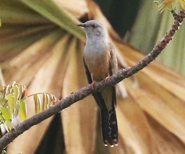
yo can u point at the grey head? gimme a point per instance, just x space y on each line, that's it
94 29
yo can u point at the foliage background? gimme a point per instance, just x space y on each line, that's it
42 47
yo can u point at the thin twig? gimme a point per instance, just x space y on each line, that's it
85 91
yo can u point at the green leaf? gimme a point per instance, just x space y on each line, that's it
3 152
7 116
23 111
2 120
16 93
11 102
18 17
61 17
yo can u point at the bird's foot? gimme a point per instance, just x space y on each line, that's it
93 83
107 77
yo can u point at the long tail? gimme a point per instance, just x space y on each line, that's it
109 120
109 127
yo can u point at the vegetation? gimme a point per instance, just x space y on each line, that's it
42 48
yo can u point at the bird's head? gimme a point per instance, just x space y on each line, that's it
94 28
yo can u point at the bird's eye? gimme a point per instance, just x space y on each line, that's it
93 25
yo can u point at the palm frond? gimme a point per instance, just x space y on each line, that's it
44 52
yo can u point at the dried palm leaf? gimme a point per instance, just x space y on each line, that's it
44 51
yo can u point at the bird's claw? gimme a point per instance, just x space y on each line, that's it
93 83
107 77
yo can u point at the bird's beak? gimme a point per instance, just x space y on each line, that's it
81 25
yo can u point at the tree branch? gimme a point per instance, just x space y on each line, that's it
85 91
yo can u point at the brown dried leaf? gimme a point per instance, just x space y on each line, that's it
31 59
79 120
43 82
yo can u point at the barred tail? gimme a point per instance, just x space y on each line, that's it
109 127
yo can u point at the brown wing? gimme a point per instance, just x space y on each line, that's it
97 95
113 68
113 64
88 74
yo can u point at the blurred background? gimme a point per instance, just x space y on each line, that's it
41 47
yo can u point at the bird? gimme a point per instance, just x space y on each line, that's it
100 63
